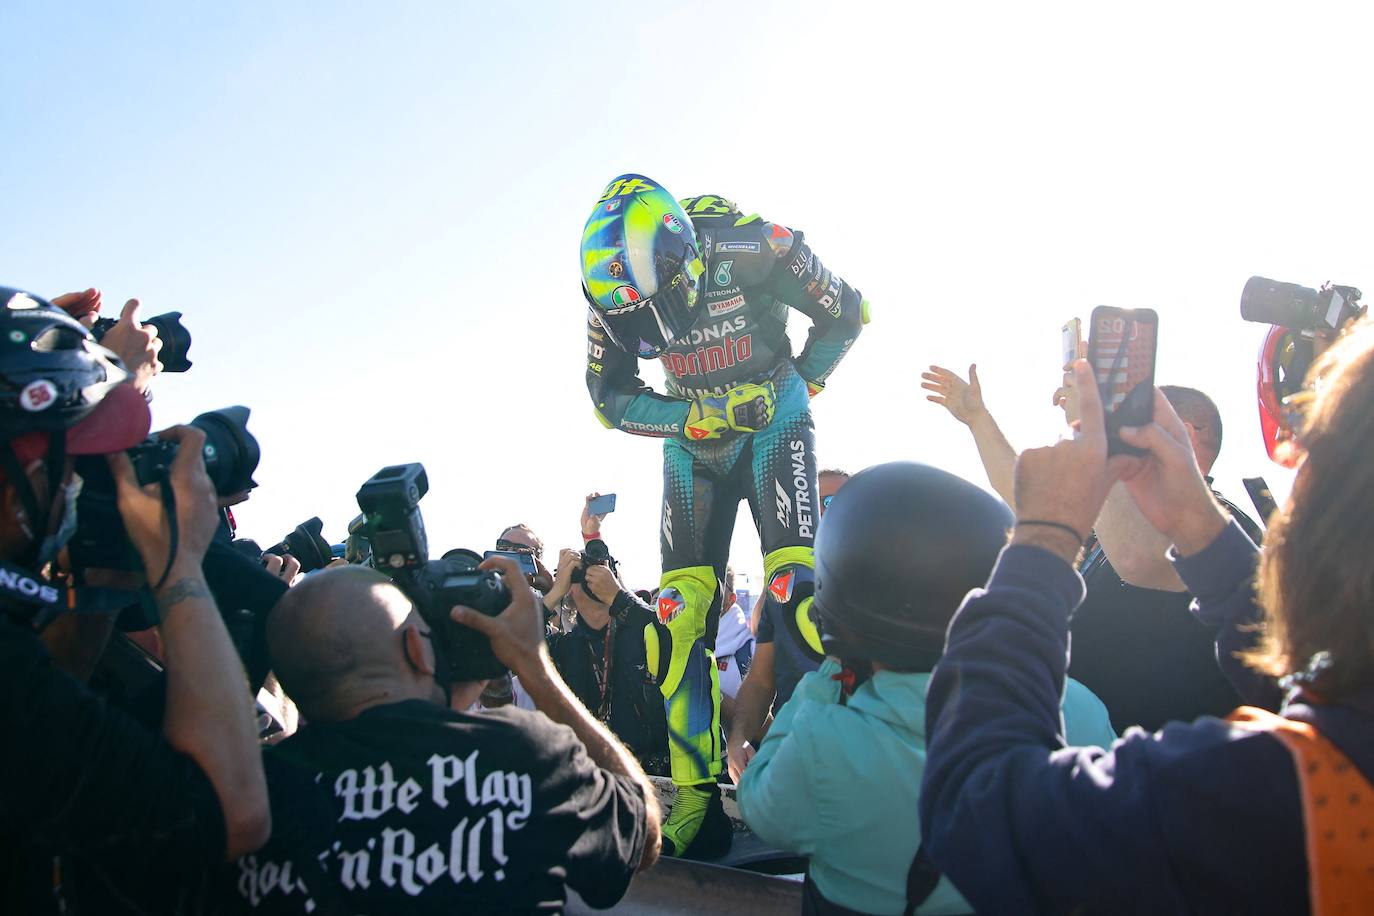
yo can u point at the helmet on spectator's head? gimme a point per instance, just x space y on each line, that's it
61 394
55 379
642 269
1285 357
899 548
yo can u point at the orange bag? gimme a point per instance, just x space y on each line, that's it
1338 814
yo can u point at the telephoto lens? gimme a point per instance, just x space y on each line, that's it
1298 308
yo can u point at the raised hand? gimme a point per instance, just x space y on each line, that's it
964 400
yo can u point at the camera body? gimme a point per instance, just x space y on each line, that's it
1299 308
231 456
596 553
394 528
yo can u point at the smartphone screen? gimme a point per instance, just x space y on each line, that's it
1071 337
525 560
602 504
1121 351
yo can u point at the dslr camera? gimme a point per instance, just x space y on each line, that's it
395 531
596 553
307 544
231 456
1299 308
176 340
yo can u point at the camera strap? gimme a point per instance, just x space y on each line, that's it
19 479
169 505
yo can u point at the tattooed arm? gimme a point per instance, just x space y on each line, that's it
209 714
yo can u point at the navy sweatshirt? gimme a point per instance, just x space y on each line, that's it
1199 817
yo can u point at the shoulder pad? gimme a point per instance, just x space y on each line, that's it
780 239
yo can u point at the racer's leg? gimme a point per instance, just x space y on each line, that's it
680 645
787 510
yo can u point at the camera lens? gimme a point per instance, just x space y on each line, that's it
1285 304
231 452
306 544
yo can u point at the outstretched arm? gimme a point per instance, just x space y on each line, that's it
964 401
517 639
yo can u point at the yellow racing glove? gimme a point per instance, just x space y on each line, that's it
746 408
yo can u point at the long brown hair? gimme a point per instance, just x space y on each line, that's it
1316 581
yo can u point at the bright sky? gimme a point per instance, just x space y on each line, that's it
369 212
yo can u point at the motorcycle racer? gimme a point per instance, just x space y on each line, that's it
707 290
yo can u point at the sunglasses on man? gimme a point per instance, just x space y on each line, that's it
507 545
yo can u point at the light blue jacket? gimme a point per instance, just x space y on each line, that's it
840 783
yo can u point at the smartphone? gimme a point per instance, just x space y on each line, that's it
1121 351
602 504
1071 336
525 560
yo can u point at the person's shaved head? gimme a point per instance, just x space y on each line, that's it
335 642
1200 412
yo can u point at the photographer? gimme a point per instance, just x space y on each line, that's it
89 786
431 810
602 657
1261 813
1134 596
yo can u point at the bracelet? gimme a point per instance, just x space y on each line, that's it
1060 525
591 537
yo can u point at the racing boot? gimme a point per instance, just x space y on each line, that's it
697 827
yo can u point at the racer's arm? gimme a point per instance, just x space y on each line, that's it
837 311
621 400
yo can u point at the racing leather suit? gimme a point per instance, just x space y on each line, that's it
756 271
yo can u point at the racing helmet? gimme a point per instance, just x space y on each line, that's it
900 546
642 270
1285 356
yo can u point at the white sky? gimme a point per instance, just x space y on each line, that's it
369 212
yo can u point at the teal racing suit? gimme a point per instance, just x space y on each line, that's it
756 271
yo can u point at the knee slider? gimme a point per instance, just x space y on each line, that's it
792 585
688 610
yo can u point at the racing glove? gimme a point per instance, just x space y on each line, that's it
747 408
814 388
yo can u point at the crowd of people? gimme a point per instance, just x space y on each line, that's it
201 726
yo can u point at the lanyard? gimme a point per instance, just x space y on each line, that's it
603 672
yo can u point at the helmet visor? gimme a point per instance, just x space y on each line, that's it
648 325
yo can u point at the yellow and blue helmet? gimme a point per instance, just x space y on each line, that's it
642 270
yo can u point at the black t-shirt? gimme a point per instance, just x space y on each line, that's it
626 701
1143 653
84 780
432 811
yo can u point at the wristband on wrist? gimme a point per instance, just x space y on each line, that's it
591 537
1047 524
